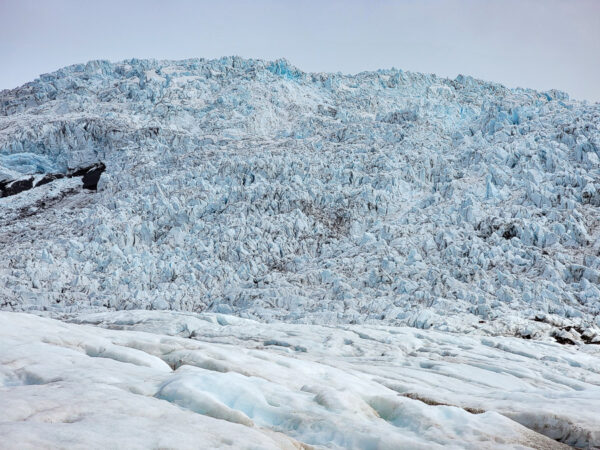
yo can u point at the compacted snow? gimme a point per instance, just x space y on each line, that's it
236 253
172 380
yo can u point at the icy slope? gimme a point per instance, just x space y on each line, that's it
163 379
250 187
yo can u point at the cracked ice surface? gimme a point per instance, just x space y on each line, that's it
250 187
149 379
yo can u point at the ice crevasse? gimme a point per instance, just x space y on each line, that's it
253 188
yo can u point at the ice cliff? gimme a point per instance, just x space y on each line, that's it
251 187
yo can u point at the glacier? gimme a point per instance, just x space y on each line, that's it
253 188
166 379
423 251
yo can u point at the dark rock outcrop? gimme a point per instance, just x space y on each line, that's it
90 177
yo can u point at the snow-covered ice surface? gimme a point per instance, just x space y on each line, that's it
160 379
327 212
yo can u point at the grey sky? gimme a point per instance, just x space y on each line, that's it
541 44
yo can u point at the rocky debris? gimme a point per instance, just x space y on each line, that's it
576 335
565 336
90 177
13 187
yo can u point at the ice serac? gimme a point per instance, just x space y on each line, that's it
253 188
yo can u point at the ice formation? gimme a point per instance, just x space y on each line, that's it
328 212
162 379
250 187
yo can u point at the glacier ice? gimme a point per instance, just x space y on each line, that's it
163 379
252 188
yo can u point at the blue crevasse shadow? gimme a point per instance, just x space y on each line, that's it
28 163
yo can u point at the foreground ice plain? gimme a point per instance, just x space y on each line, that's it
152 379
250 187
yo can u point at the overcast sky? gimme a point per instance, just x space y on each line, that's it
541 44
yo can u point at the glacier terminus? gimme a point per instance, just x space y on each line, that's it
270 258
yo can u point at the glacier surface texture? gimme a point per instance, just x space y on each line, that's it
235 253
165 379
250 187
